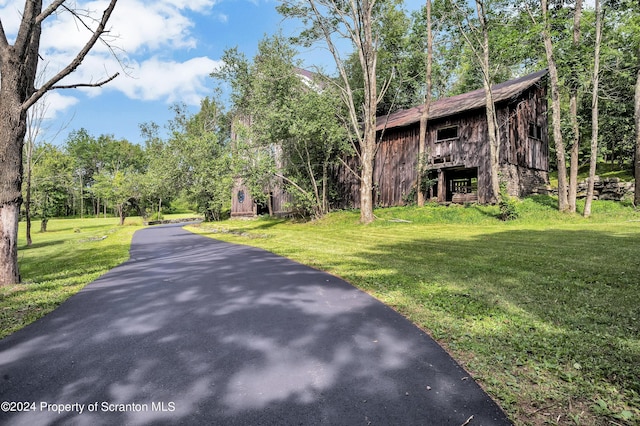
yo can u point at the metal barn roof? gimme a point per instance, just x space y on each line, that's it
456 104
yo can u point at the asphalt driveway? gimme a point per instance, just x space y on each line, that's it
196 331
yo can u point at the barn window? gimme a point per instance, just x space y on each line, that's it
447 133
535 131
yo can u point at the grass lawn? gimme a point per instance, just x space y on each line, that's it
544 311
60 262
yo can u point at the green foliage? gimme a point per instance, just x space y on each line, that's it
156 216
51 182
201 157
100 160
508 205
401 61
119 187
288 130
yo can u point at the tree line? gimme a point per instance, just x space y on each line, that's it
99 176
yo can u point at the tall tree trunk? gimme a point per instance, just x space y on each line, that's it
368 60
18 66
636 197
563 202
122 214
13 127
494 144
81 198
573 110
424 117
574 152
27 205
325 180
492 120
594 112
366 178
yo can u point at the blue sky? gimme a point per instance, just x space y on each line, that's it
170 47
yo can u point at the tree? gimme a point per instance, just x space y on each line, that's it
352 20
119 187
287 130
200 148
35 118
157 185
573 112
475 32
18 68
636 197
316 141
593 161
424 117
563 201
84 150
51 178
399 68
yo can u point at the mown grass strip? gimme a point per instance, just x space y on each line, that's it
543 310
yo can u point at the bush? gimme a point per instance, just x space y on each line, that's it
508 208
508 204
156 216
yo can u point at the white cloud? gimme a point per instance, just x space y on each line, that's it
136 26
152 79
10 12
168 81
58 103
146 35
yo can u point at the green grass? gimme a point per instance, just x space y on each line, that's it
60 262
544 311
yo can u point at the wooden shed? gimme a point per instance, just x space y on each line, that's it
457 150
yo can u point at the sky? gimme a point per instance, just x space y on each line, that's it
166 50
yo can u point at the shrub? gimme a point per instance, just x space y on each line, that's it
508 204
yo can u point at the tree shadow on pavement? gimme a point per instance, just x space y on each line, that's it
196 331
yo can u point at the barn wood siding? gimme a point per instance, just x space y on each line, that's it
464 151
529 152
396 161
280 200
245 209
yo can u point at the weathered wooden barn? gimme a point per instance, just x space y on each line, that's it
457 153
244 205
275 201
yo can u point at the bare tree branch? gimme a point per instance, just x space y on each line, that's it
73 65
344 163
49 11
79 17
75 86
27 27
347 93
